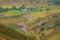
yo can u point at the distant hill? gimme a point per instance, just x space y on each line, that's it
20 2
29 2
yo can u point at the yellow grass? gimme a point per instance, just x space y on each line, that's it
56 37
55 11
11 13
36 15
46 32
9 6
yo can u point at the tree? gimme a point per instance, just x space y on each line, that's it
49 1
13 8
1 9
37 1
6 9
42 36
54 16
57 2
38 20
30 1
35 28
30 9
48 27
22 7
16 1
42 29
57 23
43 23
47 9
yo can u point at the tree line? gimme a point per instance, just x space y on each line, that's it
21 8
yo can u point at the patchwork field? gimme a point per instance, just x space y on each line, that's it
37 23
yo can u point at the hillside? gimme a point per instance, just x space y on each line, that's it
33 23
37 3
46 26
20 2
29 19
10 34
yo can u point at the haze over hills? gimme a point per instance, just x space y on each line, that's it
20 2
37 3
29 2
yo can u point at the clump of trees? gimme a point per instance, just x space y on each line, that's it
30 1
43 23
21 8
35 28
13 8
3 10
57 2
42 29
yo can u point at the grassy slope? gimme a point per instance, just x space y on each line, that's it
12 13
11 17
12 33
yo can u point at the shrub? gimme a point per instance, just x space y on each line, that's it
44 23
47 9
42 29
22 7
6 9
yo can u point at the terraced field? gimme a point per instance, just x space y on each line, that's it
45 22
10 34
54 35
39 24
12 13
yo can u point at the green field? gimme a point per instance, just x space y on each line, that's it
12 13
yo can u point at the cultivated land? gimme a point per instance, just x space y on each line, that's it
11 34
34 24
36 15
